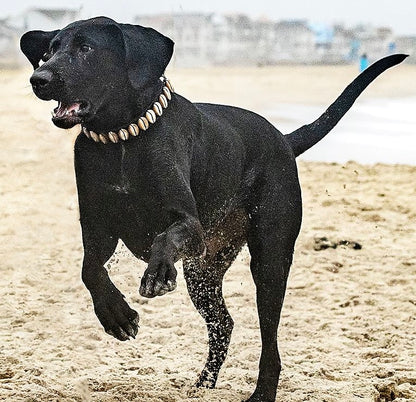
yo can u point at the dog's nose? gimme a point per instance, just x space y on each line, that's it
40 79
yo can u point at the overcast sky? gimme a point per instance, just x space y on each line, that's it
399 14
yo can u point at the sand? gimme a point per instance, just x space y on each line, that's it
348 329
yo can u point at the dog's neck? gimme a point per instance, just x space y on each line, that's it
152 113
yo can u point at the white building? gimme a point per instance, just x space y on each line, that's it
295 42
46 19
12 28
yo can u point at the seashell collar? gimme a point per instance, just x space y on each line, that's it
143 123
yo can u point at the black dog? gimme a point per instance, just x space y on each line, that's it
174 179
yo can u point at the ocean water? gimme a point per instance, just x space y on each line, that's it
373 131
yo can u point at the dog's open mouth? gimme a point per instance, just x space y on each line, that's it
67 115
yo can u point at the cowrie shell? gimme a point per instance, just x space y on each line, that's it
169 85
113 137
86 132
103 138
123 134
133 130
94 136
166 92
163 101
157 108
151 116
143 123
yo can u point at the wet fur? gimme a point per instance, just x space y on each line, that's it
204 180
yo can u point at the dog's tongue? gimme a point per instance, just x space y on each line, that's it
64 109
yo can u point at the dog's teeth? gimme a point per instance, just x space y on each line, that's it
166 92
103 138
163 101
157 108
123 134
151 116
133 130
113 137
95 136
143 123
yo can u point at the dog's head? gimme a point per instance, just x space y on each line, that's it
97 70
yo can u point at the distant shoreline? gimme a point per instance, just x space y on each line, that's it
377 130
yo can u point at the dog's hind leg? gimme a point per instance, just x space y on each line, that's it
204 282
275 219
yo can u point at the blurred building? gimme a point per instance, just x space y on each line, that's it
209 39
12 28
294 42
47 19
204 39
375 42
192 34
8 50
407 45
234 39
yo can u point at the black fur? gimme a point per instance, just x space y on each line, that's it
201 182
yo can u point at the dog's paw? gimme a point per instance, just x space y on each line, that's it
116 316
158 279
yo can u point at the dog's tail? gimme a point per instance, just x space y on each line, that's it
307 136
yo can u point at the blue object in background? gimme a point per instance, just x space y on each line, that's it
363 62
355 47
392 47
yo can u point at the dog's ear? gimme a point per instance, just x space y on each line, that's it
34 44
148 53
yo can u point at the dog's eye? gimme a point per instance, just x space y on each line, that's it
85 48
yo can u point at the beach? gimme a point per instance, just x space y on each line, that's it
348 326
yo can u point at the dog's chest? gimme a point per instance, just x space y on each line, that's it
115 185
132 214
131 200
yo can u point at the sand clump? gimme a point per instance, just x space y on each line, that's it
348 328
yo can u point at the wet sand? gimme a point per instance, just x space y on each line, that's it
348 328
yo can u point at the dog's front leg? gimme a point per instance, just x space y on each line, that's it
115 315
183 237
